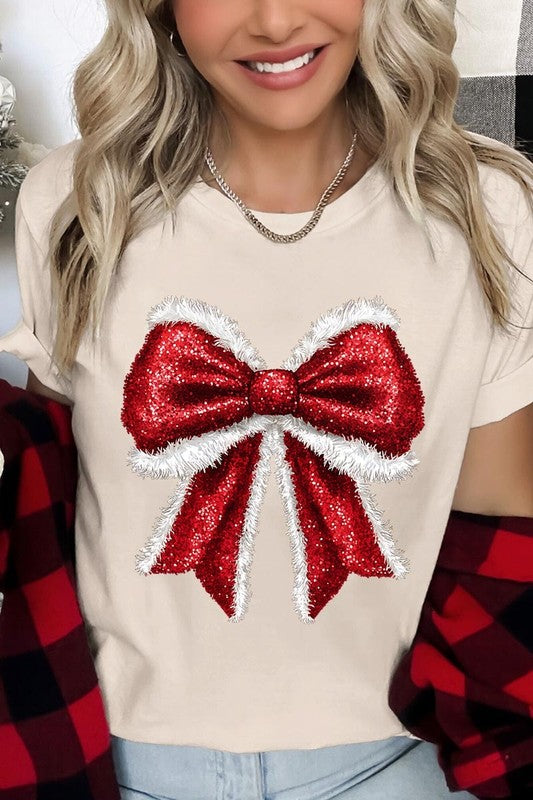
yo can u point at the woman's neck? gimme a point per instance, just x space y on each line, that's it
287 171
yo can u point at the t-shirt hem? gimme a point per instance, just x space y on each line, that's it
255 744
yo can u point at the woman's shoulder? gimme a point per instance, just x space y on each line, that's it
47 184
502 192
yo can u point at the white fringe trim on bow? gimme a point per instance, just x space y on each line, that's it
337 320
225 329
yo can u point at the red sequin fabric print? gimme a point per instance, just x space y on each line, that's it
342 411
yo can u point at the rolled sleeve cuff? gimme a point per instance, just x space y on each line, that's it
500 398
24 344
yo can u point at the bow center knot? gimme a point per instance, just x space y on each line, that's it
273 391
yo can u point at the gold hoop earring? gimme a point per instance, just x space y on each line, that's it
171 37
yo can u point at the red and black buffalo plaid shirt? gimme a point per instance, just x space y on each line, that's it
465 683
54 737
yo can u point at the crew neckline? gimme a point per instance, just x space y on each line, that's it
348 205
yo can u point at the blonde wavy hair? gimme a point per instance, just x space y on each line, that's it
145 116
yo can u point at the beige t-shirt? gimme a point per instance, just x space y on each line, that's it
270 436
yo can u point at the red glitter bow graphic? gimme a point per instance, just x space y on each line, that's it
341 411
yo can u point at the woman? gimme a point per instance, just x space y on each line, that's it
282 286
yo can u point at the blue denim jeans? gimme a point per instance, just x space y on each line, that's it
398 768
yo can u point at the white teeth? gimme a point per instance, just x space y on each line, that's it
287 66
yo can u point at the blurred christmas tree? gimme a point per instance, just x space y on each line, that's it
11 172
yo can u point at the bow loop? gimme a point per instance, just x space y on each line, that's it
363 386
182 384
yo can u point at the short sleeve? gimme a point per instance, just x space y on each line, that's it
31 339
507 382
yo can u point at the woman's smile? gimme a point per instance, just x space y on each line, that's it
283 75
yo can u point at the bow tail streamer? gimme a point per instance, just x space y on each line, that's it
210 523
335 530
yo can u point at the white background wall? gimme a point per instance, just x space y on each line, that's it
43 40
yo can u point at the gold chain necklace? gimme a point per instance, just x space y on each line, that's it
317 213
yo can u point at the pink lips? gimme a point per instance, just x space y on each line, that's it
279 56
284 80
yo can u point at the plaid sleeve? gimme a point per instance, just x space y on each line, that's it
54 735
466 681
507 381
32 338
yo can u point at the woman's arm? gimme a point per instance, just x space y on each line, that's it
496 477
